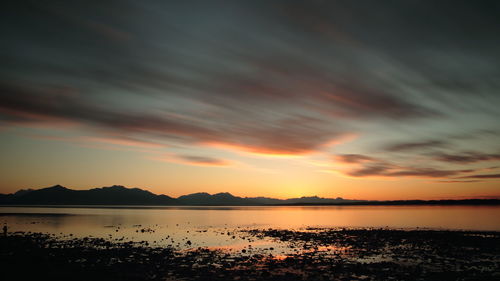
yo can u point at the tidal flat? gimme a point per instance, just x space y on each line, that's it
305 254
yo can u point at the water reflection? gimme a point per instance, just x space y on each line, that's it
219 227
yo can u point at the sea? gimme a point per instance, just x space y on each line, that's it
224 227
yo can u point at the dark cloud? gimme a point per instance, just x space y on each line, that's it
425 172
408 146
369 166
270 77
266 67
372 169
46 104
468 157
483 176
286 79
458 181
386 170
56 103
353 158
202 160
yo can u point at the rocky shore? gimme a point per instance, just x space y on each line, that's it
315 254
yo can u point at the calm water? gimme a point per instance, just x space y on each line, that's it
221 226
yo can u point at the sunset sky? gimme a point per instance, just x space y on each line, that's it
358 99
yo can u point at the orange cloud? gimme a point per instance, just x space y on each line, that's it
257 151
123 141
283 150
194 160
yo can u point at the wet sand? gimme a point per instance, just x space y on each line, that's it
312 254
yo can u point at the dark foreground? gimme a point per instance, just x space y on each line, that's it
318 254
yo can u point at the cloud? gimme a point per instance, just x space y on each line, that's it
457 181
395 172
425 172
372 169
47 103
106 143
409 146
353 158
367 166
270 78
202 160
468 157
125 141
295 135
194 160
482 176
284 78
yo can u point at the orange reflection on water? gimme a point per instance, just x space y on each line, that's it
216 226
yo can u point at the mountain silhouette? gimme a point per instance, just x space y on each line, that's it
120 195
225 198
112 195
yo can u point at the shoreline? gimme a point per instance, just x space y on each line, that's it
437 203
317 254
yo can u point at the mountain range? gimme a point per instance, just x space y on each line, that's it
120 195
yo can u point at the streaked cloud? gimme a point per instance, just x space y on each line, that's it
353 158
292 135
467 157
366 166
482 176
415 82
194 160
202 160
457 181
409 146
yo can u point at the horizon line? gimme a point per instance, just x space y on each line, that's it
483 197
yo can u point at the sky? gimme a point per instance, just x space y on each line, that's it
357 99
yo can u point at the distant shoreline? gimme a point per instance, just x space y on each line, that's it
464 202
121 196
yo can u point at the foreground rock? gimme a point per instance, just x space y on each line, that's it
318 254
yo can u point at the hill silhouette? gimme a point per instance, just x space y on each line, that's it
120 195
203 198
112 195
